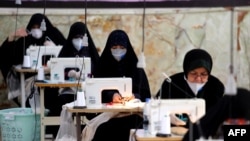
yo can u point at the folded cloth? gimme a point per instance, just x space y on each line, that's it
90 128
132 136
69 105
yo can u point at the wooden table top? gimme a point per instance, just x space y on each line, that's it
109 108
59 85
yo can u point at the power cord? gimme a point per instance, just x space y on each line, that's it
85 44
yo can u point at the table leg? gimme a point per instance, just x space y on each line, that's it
42 109
23 96
78 126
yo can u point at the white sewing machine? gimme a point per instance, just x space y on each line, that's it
58 65
94 86
39 55
194 108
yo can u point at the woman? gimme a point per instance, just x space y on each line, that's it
196 81
74 47
118 59
15 45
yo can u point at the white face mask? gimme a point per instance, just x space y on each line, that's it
36 33
195 87
77 43
118 53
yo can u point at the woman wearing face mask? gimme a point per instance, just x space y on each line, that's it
118 59
14 47
74 46
195 81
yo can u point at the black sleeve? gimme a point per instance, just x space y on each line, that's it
141 88
57 37
164 90
13 53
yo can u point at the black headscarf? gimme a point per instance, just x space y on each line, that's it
197 58
68 50
51 32
109 66
37 19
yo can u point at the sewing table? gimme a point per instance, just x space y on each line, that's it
80 112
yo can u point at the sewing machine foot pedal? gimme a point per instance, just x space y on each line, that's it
162 135
80 107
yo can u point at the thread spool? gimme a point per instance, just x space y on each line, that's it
40 75
26 62
165 130
80 100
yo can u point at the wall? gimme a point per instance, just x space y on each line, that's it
169 34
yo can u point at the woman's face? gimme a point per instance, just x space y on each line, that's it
198 75
118 52
36 32
35 26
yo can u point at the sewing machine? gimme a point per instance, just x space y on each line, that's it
39 55
59 65
194 108
94 86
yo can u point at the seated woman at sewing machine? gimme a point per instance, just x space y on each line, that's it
118 59
196 80
74 47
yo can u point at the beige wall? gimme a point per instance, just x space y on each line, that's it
169 34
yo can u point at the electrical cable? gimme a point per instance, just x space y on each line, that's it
33 89
85 43
16 25
143 25
85 18
17 3
231 43
143 36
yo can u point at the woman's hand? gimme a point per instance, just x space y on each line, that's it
117 98
17 34
49 43
129 98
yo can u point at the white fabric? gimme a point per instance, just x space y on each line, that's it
90 128
132 136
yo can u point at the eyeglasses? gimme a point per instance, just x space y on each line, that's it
195 75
